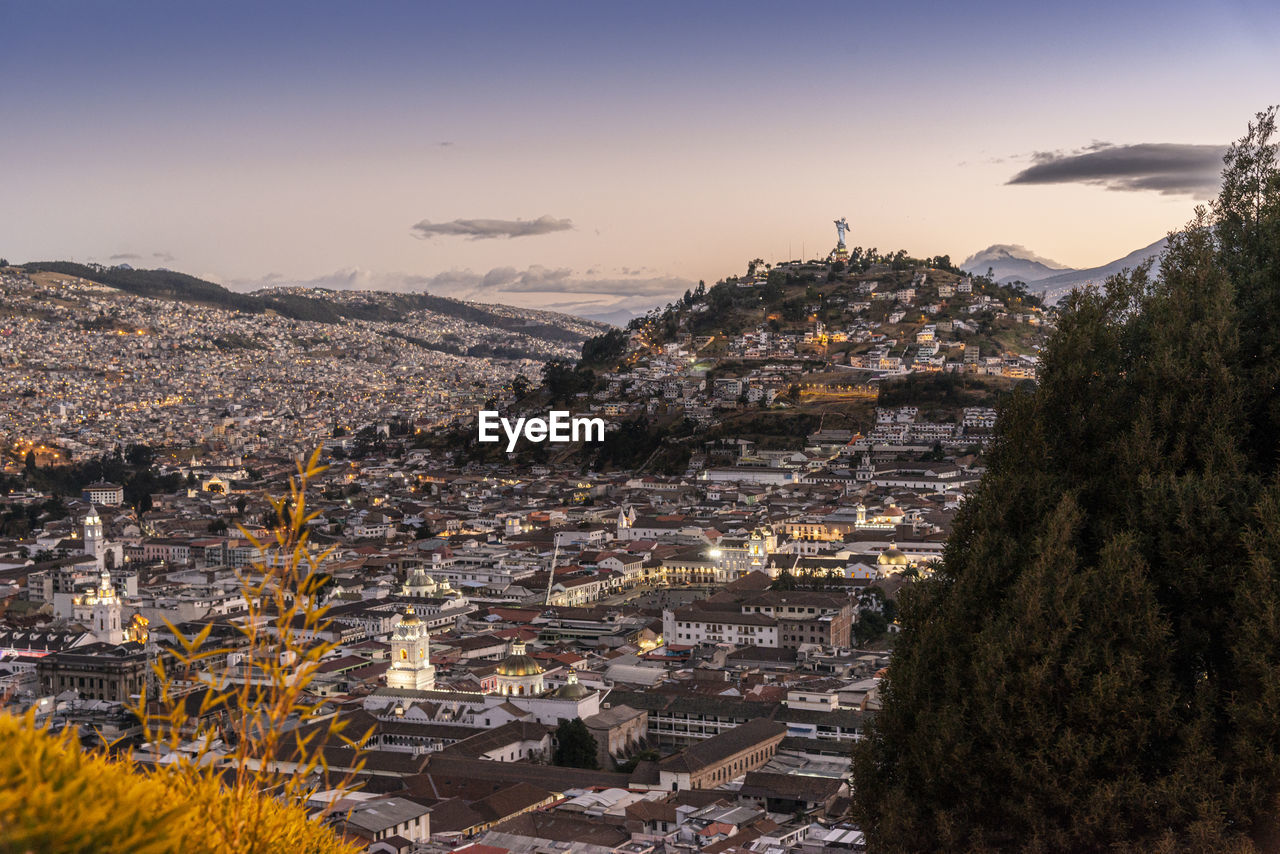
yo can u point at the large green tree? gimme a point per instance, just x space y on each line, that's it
575 745
1096 664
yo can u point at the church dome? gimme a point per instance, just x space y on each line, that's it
892 556
410 618
518 663
571 690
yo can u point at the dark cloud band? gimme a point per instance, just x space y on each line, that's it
1166 168
487 229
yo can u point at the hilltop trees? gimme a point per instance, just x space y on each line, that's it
606 348
1096 664
562 381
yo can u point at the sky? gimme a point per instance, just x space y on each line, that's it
597 157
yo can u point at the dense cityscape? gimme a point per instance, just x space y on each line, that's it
718 631
657 428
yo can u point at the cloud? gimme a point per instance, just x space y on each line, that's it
163 257
487 229
1166 168
550 288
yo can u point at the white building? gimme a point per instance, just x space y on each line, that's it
686 627
106 494
411 656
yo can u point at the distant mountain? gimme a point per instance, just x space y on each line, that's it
1059 285
615 317
323 306
1009 262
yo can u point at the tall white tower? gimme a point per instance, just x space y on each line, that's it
106 612
411 656
93 537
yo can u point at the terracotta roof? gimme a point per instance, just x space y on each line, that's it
720 747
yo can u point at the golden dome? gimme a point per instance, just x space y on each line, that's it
892 557
410 618
518 663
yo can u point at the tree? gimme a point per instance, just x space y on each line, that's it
575 745
562 380
1096 662
870 627
520 386
784 581
139 456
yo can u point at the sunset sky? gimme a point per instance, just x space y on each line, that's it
599 155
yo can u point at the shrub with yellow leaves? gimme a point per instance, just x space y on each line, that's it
236 739
58 799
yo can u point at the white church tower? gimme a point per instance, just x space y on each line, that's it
107 627
108 554
94 541
411 656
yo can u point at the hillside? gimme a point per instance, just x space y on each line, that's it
323 306
833 313
779 353
90 363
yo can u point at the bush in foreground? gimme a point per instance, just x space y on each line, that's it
57 799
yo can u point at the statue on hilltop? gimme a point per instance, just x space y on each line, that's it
841 252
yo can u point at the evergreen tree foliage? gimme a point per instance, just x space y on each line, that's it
575 745
608 347
1096 664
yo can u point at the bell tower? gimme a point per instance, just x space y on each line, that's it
106 612
93 537
411 655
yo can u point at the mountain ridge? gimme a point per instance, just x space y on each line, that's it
322 305
1009 262
1012 262
1059 285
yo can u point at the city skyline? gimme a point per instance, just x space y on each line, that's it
583 159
